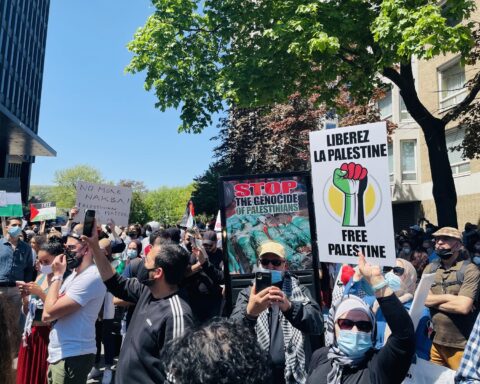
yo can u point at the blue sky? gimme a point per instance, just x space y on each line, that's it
93 113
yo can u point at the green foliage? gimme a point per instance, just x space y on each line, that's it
64 191
41 194
249 53
138 208
167 205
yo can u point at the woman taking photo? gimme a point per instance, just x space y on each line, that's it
32 358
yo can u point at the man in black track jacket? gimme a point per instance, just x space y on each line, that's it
160 314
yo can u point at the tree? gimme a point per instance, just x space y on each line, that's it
65 190
256 52
138 208
266 140
167 205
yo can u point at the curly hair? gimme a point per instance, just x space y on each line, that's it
8 339
219 352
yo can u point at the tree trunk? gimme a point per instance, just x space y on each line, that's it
444 193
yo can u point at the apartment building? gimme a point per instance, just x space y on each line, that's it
440 84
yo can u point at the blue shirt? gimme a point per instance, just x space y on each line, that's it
15 264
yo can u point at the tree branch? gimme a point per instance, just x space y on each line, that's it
395 76
462 106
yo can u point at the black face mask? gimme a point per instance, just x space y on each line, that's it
444 254
73 260
132 234
143 276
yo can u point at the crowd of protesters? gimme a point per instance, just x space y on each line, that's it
154 298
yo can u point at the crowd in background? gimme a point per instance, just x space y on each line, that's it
154 298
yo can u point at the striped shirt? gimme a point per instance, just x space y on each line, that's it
469 370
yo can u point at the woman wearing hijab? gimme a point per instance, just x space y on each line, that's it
352 358
402 279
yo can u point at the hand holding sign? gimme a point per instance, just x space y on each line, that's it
352 180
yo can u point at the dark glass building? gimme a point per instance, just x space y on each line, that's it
23 35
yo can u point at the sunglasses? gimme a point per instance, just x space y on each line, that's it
399 271
362 326
275 263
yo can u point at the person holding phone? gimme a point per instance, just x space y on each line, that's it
32 363
282 315
16 263
73 305
204 278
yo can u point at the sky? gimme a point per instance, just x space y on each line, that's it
93 113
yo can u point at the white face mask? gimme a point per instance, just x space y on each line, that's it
46 269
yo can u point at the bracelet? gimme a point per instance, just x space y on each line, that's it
57 278
380 285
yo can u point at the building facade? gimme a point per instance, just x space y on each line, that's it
441 84
23 35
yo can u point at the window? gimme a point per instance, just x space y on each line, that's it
385 105
404 115
460 166
391 170
452 88
408 153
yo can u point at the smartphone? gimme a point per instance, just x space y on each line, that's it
88 222
262 280
198 243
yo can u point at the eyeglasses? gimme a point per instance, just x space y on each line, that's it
275 263
399 271
362 325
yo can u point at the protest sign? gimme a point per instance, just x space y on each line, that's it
421 293
425 372
351 192
43 211
108 202
260 208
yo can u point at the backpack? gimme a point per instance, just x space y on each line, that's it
460 274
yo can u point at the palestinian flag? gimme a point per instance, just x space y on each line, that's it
188 217
11 206
42 212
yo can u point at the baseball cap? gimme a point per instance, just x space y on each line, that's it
209 237
449 232
271 247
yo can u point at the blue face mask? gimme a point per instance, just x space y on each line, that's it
132 253
394 281
277 276
354 344
476 260
148 233
15 231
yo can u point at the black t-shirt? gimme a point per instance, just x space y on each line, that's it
154 323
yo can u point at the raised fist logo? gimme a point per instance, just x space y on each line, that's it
352 180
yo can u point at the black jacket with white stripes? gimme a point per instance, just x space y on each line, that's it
154 323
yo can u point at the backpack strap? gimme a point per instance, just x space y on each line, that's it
460 275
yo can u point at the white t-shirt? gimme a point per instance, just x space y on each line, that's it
74 334
108 307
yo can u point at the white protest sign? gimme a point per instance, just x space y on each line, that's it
425 372
351 194
418 303
108 201
3 198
